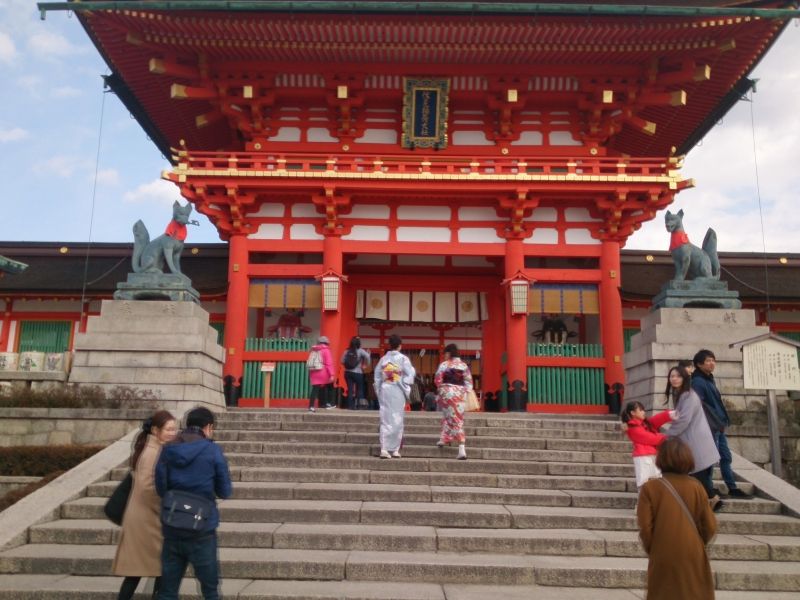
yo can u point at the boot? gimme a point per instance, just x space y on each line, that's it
462 452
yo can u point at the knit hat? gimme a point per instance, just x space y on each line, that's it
323 339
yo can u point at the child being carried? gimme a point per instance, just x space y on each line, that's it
646 439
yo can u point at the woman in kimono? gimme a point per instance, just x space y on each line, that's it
394 376
453 380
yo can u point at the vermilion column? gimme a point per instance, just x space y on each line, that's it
611 320
6 325
331 323
516 334
493 342
236 313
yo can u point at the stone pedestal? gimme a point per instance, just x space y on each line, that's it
702 292
672 334
156 286
165 347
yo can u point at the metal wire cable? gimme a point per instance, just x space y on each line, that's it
94 199
760 208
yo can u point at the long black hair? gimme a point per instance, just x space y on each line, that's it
157 420
628 410
675 393
355 343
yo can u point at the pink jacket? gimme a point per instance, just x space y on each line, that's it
325 374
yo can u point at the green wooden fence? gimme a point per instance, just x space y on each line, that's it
44 336
566 385
289 379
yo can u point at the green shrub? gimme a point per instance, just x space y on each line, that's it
33 461
16 495
75 396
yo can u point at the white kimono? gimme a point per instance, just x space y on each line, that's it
394 375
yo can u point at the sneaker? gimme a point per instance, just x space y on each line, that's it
737 493
312 409
385 454
716 503
462 456
396 454
329 406
440 444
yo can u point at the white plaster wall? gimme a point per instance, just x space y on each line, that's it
368 233
579 236
286 134
563 138
369 211
470 138
304 232
543 236
269 210
423 234
378 136
305 210
529 138
478 235
320 134
478 213
268 231
427 213
543 214
578 215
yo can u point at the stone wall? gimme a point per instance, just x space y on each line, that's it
54 426
9 483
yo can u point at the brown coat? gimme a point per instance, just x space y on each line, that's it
139 549
678 565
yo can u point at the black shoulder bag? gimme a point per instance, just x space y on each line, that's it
186 511
115 506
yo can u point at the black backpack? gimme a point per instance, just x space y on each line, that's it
351 359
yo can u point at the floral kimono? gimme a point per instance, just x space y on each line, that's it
394 375
453 380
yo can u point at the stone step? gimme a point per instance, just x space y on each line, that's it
410 463
476 438
451 514
66 587
315 536
415 567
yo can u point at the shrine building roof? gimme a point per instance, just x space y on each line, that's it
729 38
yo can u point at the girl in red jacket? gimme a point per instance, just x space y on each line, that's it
643 432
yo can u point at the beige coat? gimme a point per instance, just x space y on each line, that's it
678 565
139 549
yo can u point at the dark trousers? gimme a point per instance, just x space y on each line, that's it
201 553
725 460
320 394
704 477
355 388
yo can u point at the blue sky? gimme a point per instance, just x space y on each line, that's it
51 96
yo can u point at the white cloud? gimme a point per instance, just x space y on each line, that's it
107 176
61 165
47 44
66 91
158 191
13 135
8 51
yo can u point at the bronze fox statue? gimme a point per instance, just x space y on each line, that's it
690 261
151 256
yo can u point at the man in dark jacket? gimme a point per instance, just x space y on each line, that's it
192 463
703 383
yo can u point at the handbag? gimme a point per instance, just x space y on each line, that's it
186 511
471 403
115 505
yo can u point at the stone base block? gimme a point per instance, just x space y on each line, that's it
702 292
167 348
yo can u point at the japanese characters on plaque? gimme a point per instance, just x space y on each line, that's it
771 365
425 113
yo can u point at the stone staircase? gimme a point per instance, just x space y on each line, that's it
543 508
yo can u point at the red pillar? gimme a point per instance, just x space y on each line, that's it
331 322
84 317
6 325
236 312
611 319
493 342
516 334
